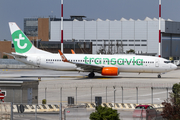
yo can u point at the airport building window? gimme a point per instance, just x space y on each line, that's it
99 44
137 40
125 45
143 40
118 40
137 44
81 45
143 45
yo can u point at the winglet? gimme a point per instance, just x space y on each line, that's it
64 59
72 51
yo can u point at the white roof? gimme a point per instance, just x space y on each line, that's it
123 19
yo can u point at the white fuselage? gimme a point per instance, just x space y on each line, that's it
124 63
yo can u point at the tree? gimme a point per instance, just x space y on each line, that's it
171 110
104 113
5 57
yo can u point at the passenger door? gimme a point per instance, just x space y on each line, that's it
157 63
38 61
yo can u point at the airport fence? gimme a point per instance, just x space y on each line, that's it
144 93
120 96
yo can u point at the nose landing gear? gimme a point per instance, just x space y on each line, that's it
159 76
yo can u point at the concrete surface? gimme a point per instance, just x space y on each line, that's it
53 81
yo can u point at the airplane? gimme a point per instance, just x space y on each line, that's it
106 65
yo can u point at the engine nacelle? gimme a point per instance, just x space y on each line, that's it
110 71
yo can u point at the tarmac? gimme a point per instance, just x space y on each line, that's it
68 81
129 87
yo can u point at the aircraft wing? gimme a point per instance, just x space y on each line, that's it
82 66
88 67
15 55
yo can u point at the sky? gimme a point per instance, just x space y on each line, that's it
17 10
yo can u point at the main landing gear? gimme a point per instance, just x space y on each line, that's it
159 76
91 75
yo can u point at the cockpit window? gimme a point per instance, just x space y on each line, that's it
167 61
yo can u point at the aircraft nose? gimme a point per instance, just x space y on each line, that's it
174 66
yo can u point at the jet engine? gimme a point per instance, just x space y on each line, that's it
110 71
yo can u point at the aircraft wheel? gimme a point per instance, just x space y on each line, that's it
159 76
91 75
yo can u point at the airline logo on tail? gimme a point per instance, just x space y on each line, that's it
21 42
18 42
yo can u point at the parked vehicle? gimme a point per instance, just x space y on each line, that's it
145 112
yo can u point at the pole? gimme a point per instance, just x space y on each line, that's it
76 95
91 94
13 95
11 111
114 95
136 95
35 112
45 93
65 114
122 94
61 94
159 28
62 26
106 94
167 93
21 94
74 44
60 111
151 95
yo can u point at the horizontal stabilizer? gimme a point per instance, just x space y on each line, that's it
15 55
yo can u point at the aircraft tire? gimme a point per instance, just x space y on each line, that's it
91 75
159 76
